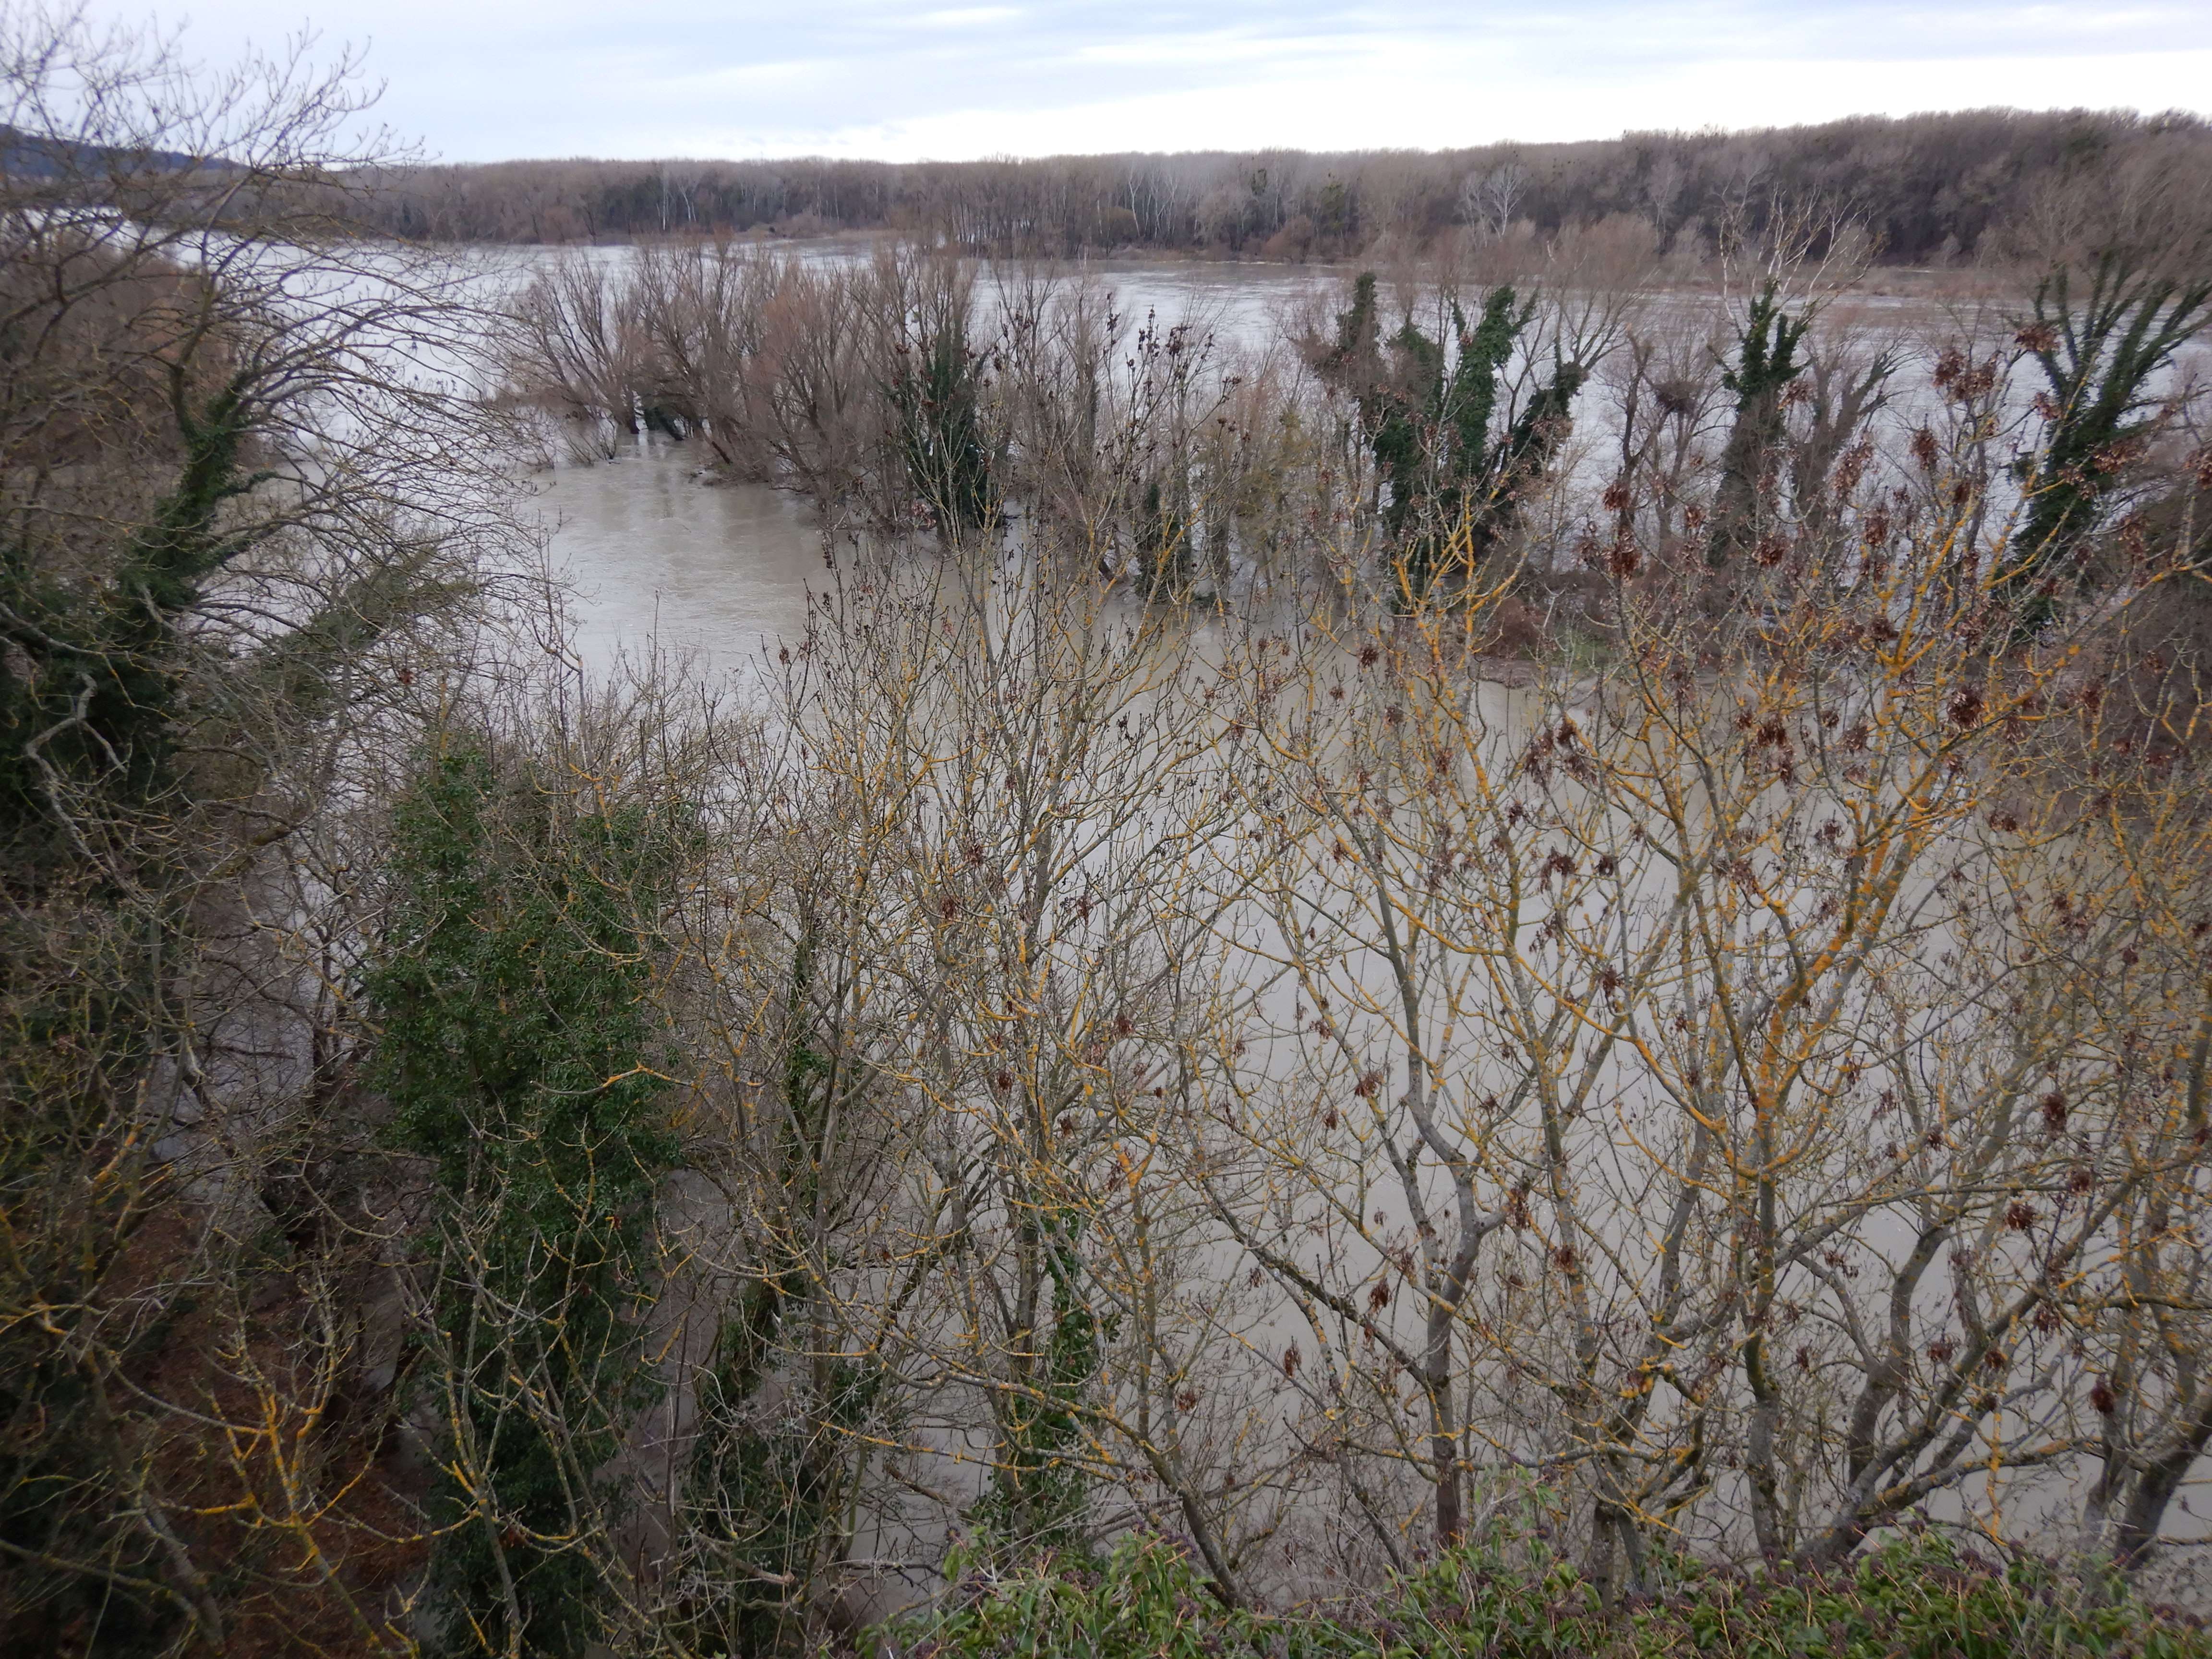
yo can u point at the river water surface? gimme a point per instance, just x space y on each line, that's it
660 557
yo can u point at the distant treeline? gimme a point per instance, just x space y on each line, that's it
1929 187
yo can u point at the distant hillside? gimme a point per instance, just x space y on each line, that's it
29 155
1930 186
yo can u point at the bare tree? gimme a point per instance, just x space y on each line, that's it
225 567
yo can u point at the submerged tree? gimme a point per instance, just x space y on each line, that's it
935 384
1427 410
1766 362
2101 357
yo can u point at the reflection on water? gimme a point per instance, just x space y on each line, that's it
658 558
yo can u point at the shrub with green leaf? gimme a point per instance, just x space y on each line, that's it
1911 1598
937 390
517 1048
1427 414
1036 1498
2102 354
1767 362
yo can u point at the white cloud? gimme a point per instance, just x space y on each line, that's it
967 17
520 77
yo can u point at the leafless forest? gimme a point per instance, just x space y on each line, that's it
1929 190
1551 915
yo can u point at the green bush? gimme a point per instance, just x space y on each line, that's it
513 988
1913 1598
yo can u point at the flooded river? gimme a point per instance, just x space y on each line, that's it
658 558
660 555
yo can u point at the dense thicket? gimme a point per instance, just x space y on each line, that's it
1263 1080
1917 1599
217 562
1532 960
1929 187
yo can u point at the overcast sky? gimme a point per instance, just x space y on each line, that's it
478 80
